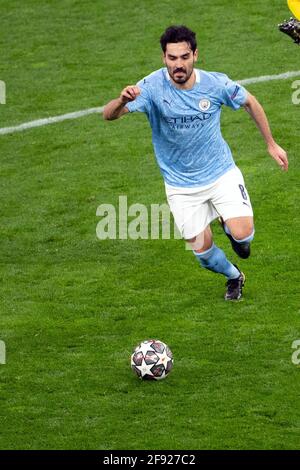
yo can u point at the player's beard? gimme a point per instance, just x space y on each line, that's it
181 76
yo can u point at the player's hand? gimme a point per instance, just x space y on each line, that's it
130 93
279 155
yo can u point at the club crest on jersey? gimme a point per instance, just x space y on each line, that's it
204 104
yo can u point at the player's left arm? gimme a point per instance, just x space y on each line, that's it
257 113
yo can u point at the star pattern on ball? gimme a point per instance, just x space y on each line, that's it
152 359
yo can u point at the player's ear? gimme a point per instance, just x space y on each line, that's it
163 57
196 55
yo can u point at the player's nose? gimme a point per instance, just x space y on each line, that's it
179 65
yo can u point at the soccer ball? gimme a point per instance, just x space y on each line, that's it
152 360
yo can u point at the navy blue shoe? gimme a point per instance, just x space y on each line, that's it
235 286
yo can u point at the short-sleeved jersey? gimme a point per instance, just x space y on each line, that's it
186 133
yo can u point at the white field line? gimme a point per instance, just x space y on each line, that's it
268 78
99 110
50 120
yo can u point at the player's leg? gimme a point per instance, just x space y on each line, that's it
211 257
193 213
230 198
232 201
240 231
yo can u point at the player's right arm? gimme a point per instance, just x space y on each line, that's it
117 107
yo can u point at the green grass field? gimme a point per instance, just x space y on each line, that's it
72 306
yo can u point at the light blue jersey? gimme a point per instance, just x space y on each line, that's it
186 134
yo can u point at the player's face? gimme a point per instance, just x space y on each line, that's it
179 59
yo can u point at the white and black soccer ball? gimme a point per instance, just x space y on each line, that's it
152 360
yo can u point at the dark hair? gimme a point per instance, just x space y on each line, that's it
178 34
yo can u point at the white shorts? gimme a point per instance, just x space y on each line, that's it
194 208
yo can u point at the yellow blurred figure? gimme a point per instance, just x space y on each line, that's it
294 6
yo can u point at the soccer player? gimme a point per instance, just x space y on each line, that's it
202 183
292 26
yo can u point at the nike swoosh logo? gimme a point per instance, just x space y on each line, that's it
165 101
246 204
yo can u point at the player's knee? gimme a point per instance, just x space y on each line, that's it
242 247
200 243
242 233
196 244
